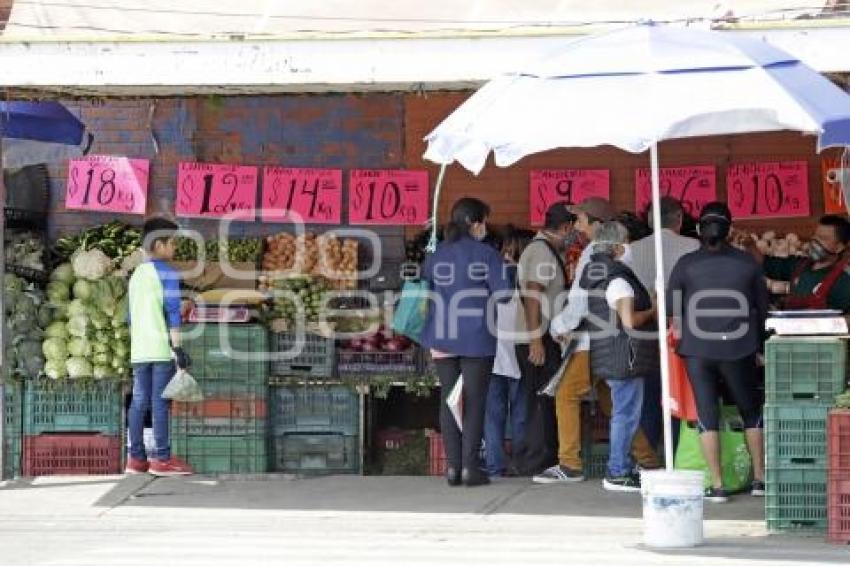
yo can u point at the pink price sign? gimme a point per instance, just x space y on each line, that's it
548 186
107 184
767 190
306 195
208 190
694 187
383 196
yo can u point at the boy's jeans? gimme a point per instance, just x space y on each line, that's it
503 396
149 381
627 397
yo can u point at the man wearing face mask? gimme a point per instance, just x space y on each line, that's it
541 275
821 280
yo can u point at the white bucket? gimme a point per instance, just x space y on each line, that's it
672 508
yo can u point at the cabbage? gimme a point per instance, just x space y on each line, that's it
60 310
103 337
58 292
100 347
13 283
79 367
44 316
78 325
78 307
55 369
54 349
121 349
63 273
79 347
122 333
102 359
56 330
83 289
122 311
99 320
102 372
117 363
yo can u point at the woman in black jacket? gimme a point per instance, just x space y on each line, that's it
719 295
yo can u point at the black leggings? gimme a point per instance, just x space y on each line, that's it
739 377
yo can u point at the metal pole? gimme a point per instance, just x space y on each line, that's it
432 243
662 308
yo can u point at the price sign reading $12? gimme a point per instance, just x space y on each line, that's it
208 190
384 196
107 184
765 190
306 195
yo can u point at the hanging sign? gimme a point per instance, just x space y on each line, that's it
694 187
765 190
384 196
833 197
548 186
107 184
313 196
208 190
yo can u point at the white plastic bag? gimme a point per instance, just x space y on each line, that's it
183 387
455 402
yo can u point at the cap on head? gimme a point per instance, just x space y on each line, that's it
596 207
715 212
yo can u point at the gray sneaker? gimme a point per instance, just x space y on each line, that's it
558 474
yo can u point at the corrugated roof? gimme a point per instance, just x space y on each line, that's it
186 19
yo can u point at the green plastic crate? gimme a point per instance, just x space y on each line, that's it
315 454
801 370
73 406
216 426
796 499
306 355
795 435
227 352
229 408
595 460
315 408
12 429
223 454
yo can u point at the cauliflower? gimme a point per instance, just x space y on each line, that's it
92 264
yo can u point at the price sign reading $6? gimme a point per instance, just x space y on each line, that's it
381 196
107 184
208 190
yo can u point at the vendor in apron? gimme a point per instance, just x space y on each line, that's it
821 280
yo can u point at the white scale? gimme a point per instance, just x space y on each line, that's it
221 314
807 323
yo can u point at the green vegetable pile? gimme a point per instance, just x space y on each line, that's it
27 315
843 401
25 249
88 335
310 292
115 239
246 250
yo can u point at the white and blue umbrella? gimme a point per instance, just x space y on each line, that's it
40 132
631 89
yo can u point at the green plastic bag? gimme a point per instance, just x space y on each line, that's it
736 466
412 310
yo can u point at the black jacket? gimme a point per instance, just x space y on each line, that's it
720 298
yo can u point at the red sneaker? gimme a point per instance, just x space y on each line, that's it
136 466
171 467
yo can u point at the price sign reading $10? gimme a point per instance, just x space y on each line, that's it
763 190
382 196
307 195
107 184
207 190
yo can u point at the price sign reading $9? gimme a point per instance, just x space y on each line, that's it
107 184
383 196
207 190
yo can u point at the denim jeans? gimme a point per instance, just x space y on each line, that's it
627 399
149 381
504 397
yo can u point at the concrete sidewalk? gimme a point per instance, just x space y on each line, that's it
357 520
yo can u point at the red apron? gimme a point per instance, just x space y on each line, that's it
818 299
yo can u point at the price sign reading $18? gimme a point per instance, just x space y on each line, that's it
307 195
694 187
383 196
107 184
547 187
764 190
208 190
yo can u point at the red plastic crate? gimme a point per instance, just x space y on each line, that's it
72 454
436 454
838 506
838 439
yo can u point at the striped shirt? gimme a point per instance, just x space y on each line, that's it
674 247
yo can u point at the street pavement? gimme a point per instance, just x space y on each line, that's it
277 519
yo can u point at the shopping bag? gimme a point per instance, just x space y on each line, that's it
455 402
682 402
183 387
412 310
735 463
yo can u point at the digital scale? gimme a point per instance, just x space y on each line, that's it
221 314
807 323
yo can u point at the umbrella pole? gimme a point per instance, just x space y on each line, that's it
662 308
432 242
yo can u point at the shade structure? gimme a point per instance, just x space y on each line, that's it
632 89
40 132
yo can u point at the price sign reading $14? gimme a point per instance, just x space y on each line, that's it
384 196
547 187
694 187
107 184
307 195
765 190
208 190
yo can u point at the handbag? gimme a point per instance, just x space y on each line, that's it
411 313
682 402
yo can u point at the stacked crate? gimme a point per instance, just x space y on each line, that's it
803 377
838 476
72 427
315 429
12 429
226 432
595 430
